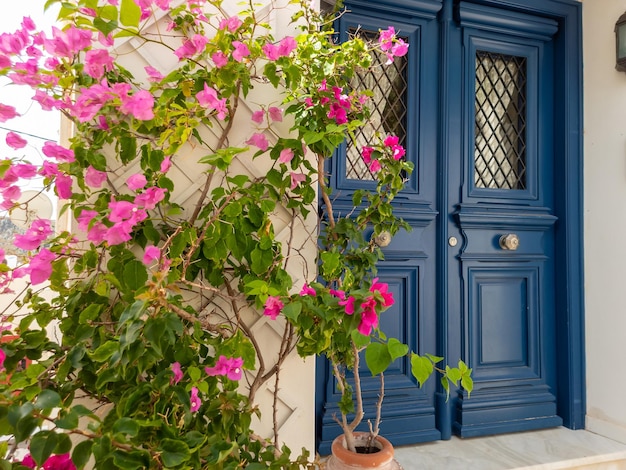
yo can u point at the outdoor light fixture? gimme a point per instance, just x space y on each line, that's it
620 43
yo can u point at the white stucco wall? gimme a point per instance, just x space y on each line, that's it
605 225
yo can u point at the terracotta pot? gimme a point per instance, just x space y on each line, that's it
343 459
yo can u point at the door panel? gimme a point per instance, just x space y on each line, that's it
474 105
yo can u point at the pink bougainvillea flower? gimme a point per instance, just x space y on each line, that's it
28 24
191 47
119 233
3 356
276 114
139 105
258 116
97 233
136 181
219 59
337 293
59 462
348 304
63 186
13 140
151 254
369 317
106 41
194 400
382 288
228 366
208 99
286 45
46 101
39 230
178 373
7 112
153 74
400 48
52 150
271 51
97 62
386 37
28 461
232 23
366 152
85 218
273 306
121 210
259 140
68 42
375 166
296 179
94 178
307 290
286 155
40 266
150 197
240 51
391 140
166 164
23 170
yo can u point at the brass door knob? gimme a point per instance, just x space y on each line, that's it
509 241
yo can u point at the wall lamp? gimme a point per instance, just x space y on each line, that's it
620 43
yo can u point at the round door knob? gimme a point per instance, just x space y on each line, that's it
383 239
509 241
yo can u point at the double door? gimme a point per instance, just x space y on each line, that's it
475 279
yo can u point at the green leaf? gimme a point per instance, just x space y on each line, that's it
90 313
377 358
135 275
130 13
106 27
128 145
396 348
47 400
42 445
292 310
126 426
421 368
174 452
359 340
105 351
82 453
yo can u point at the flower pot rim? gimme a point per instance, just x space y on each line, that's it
382 457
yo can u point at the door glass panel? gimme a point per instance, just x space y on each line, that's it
500 121
388 106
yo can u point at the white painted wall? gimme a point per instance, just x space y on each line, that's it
605 224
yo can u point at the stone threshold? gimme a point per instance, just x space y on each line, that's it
550 449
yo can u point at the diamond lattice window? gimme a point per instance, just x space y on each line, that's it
500 121
388 106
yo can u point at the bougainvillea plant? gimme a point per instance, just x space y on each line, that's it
131 346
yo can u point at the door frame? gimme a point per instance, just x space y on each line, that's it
568 196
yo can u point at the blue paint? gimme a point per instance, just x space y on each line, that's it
529 369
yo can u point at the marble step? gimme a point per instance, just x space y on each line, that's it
549 449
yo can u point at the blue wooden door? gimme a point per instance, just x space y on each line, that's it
474 102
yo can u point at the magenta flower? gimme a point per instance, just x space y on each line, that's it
258 116
194 400
296 179
241 51
166 164
219 59
59 462
23 170
97 62
7 112
382 288
273 306
63 186
40 267
307 290
348 304
136 181
97 233
94 178
386 37
85 218
369 317
374 166
39 230
338 293
230 367
271 51
119 233
52 150
286 45
150 197
191 47
400 48
286 155
28 461
208 99
178 373
366 152
139 105
391 140
276 114
153 74
232 24
259 140
121 210
15 141
3 357
67 43
151 254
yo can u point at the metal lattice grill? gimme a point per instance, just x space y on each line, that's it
388 106
500 121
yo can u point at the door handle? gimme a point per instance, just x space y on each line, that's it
383 239
509 241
